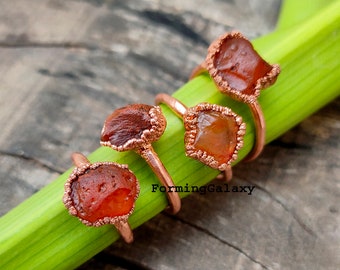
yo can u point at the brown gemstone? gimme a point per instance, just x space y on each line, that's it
240 65
133 127
107 191
216 135
126 124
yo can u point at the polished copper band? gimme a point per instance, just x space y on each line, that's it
260 129
158 168
125 231
174 104
198 70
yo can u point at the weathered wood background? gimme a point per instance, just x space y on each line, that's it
65 65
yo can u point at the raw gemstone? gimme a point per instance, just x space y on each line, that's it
216 135
107 191
240 65
126 123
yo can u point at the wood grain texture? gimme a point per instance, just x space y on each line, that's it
65 65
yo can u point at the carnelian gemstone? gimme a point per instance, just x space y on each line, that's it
240 65
216 135
126 123
107 191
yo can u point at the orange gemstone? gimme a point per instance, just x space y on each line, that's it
240 65
107 191
216 135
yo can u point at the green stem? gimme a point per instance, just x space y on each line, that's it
40 234
294 12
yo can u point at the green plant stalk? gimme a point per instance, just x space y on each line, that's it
40 234
294 12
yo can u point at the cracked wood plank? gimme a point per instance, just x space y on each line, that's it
66 65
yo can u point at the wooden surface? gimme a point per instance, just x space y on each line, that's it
65 65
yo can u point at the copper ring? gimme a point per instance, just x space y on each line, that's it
213 135
135 127
239 72
101 193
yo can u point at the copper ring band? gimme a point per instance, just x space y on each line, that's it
158 168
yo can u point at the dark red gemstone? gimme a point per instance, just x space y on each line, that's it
240 65
107 191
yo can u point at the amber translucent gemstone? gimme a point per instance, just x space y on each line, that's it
126 123
216 135
107 191
240 65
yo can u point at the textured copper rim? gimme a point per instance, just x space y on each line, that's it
190 118
157 126
119 221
